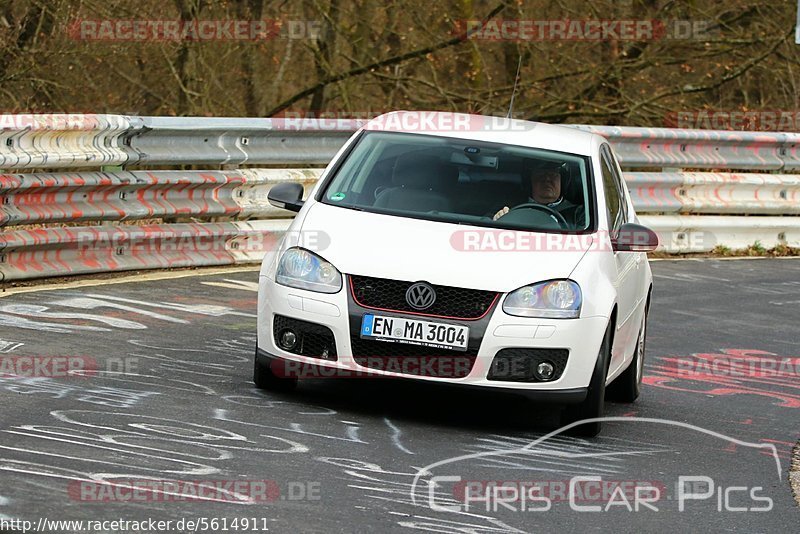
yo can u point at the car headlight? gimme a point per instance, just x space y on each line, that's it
305 270
556 299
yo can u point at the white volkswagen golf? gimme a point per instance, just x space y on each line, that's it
505 255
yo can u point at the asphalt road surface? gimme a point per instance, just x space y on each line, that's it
159 420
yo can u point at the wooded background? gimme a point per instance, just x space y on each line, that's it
377 56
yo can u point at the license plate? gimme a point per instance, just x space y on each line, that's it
415 332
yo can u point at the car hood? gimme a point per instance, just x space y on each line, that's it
400 248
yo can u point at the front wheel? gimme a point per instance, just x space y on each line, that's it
592 405
627 386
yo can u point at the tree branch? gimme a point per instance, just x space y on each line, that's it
378 64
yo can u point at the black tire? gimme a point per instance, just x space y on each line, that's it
593 405
627 386
265 379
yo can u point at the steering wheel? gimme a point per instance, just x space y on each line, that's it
562 222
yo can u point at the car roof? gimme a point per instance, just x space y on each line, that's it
487 128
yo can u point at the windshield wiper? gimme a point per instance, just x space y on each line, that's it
355 208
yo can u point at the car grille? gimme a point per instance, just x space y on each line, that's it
412 359
451 302
313 340
517 364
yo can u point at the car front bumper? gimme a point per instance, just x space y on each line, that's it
582 337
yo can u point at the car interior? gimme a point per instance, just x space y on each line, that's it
462 183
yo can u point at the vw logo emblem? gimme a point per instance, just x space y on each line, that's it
420 296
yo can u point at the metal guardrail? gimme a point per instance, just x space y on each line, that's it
223 141
702 149
701 233
213 211
90 140
64 251
714 193
133 195
61 141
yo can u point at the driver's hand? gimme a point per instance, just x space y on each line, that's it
500 213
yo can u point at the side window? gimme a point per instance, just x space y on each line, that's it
611 188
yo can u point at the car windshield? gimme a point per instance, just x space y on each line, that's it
464 182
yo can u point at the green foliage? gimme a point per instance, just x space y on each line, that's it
756 249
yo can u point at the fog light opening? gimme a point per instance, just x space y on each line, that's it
545 370
288 339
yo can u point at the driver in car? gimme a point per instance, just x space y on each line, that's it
545 187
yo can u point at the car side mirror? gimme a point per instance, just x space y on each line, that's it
287 196
634 237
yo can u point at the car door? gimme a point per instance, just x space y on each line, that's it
617 212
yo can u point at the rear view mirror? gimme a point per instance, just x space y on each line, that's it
286 196
634 237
